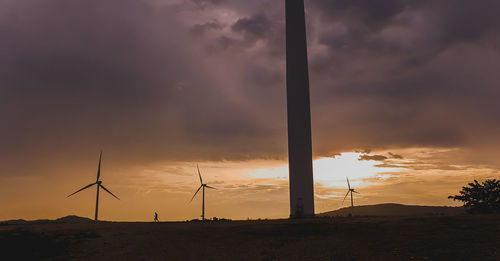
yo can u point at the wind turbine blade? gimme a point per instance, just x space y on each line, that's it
348 184
89 185
99 168
199 174
210 187
356 192
195 194
345 197
108 191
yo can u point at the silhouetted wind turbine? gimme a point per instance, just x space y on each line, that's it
99 185
202 186
351 190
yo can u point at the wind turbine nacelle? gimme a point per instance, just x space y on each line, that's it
99 182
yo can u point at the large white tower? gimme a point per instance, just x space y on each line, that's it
298 112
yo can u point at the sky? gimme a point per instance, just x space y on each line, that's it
404 101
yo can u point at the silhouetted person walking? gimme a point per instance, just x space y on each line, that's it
156 217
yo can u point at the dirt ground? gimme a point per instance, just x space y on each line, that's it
463 237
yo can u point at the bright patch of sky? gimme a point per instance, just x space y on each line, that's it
332 172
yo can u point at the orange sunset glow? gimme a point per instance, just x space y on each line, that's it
245 189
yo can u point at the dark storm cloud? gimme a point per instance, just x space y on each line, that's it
414 73
246 32
447 22
80 76
135 78
371 13
257 26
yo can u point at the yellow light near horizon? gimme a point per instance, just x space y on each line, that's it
332 172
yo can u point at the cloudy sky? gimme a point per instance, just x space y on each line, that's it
404 98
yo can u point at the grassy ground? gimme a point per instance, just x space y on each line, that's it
464 237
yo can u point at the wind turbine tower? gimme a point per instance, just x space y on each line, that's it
202 187
350 190
99 185
298 112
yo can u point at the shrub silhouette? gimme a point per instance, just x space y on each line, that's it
480 198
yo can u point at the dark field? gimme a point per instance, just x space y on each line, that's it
464 237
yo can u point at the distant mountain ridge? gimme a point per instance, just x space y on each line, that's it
68 219
392 209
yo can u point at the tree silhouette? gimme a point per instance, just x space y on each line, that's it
480 198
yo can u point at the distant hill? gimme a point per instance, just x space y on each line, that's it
73 219
391 209
68 219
